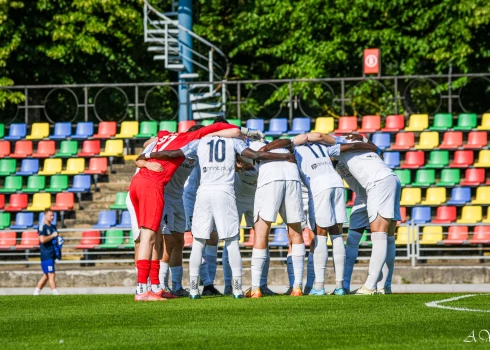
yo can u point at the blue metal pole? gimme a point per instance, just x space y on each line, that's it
185 19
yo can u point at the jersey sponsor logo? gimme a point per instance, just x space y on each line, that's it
316 165
219 168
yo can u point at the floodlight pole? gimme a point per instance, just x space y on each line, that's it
185 43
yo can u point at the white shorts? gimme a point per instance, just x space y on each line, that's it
308 210
384 199
283 197
135 228
330 207
173 219
245 206
359 216
215 208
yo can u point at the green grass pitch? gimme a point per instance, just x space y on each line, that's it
363 322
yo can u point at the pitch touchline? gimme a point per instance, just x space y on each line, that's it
438 302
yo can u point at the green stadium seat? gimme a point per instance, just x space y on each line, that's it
35 183
405 176
236 122
424 178
2 130
12 184
147 129
130 243
7 167
113 239
207 122
68 148
4 220
466 121
449 178
120 203
442 121
169 125
348 211
57 183
438 159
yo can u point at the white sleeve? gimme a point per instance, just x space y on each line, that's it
340 139
149 147
190 150
334 151
239 146
256 145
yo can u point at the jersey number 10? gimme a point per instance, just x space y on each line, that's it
217 151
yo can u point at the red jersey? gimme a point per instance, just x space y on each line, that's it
175 141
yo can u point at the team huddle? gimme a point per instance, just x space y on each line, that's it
204 180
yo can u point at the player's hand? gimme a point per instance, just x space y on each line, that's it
291 158
262 149
354 137
56 234
153 166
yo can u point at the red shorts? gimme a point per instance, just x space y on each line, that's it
148 202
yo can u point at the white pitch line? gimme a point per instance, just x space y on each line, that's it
438 302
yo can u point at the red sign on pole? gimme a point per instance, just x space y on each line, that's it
372 61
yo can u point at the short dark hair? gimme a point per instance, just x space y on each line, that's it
220 120
195 127
47 211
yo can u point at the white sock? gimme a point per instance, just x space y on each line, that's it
195 263
37 291
298 253
231 245
338 252
390 260
227 274
211 256
378 258
204 272
142 288
258 262
320 261
310 270
155 288
55 291
265 270
351 253
289 266
177 272
163 275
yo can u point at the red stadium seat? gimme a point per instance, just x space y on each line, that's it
45 149
22 149
4 148
394 123
90 239
18 202
30 240
370 123
346 125
251 239
7 240
106 130
2 201
462 159
457 235
350 203
404 140
481 235
452 140
90 148
306 237
64 201
185 125
473 177
97 166
188 239
445 215
403 214
414 160
477 140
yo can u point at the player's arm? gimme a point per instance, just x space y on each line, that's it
153 166
227 133
260 155
149 141
359 146
45 239
215 128
162 155
280 143
316 137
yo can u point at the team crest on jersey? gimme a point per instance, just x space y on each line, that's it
204 169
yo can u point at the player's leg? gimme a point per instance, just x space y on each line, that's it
52 282
208 267
384 283
310 263
335 232
309 225
176 264
41 283
235 259
194 266
227 273
168 246
290 271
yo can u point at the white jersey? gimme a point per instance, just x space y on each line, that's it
175 187
217 157
145 151
246 183
270 171
354 185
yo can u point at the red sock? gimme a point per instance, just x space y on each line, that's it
155 272
143 270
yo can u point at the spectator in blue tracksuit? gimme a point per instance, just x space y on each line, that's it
48 235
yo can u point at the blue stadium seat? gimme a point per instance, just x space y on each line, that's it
41 219
106 219
280 238
16 132
277 127
460 196
392 159
300 126
23 221
81 183
84 131
61 131
382 140
125 220
29 167
421 215
257 124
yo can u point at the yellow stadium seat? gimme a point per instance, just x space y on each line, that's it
279 221
74 166
242 236
411 196
40 202
131 157
404 236
428 140
431 235
482 196
485 122
52 166
38 131
418 122
113 148
435 196
346 185
483 159
243 222
128 130
329 241
324 125
470 215
487 219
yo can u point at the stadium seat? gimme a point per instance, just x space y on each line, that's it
404 140
188 239
4 220
113 148
257 124
382 140
38 131
7 240
470 215
424 178
106 130
280 238
168 125
207 122
16 132
476 140
52 166
41 219
460 196
17 202
481 235
236 122
392 159
421 215
128 130
106 219
485 122
414 160
35 183
97 166
90 148
411 196
405 176
431 235
483 159
112 239
62 131
186 125
445 215
457 235
120 203
300 126
68 148
474 177
64 201
74 166
438 159
57 183
2 201
4 148
462 159
442 122
22 149
346 125
370 124
428 140
23 221
466 121
83 131
29 240
90 239
482 196
45 149
2 130
452 140
125 221
277 127
418 122
403 214
28 167
8 166
394 123
148 129
404 236
435 196
12 184
449 178
40 202
324 125
81 183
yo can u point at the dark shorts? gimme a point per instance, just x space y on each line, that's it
47 266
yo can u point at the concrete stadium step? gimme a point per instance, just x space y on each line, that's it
109 187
